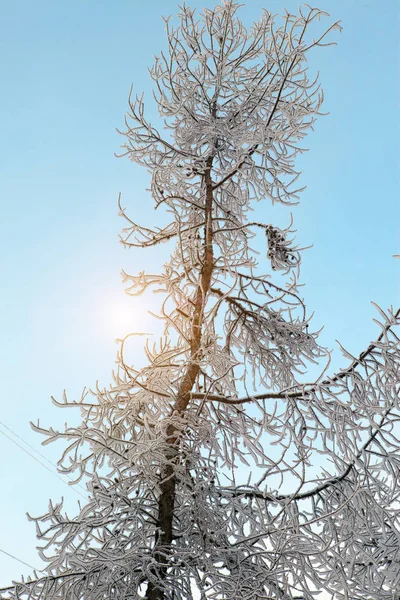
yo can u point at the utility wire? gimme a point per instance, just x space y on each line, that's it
43 465
21 561
40 454
36 459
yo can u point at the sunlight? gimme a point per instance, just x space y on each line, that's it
124 319
120 316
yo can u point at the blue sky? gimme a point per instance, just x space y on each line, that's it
66 72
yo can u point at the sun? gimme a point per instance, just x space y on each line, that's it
118 316
124 319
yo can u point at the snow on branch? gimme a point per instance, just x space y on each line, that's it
218 471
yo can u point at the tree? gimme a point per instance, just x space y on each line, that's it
169 515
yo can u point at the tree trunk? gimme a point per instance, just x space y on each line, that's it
166 499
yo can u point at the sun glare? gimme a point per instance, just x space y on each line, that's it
125 319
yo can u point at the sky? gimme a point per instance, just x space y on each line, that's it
66 72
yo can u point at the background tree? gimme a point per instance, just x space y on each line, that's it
170 515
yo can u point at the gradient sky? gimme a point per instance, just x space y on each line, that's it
66 72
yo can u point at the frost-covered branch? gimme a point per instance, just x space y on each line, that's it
170 515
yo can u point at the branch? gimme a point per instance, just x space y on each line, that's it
320 488
304 393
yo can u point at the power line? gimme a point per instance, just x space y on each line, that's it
36 459
21 561
40 454
43 465
43 456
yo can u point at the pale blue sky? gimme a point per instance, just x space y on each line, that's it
66 71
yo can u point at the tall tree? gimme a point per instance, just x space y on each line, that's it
170 516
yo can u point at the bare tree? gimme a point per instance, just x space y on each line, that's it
170 515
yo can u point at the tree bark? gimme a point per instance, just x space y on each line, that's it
166 500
